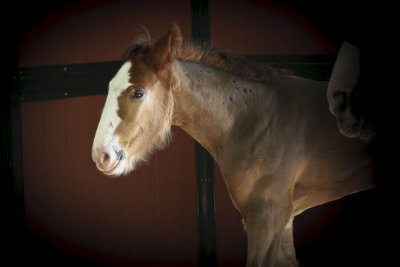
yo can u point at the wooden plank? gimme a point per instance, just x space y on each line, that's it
63 81
205 190
11 184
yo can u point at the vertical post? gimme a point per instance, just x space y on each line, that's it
11 181
16 144
200 20
204 162
205 207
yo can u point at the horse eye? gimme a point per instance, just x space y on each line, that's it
137 93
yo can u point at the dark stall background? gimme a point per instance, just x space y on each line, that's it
71 213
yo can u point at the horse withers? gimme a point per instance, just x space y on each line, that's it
271 133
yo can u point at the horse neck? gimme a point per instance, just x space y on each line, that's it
208 102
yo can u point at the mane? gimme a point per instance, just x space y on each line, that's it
238 65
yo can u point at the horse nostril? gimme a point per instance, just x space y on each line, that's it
108 158
105 158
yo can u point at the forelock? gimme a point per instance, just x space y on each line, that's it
133 51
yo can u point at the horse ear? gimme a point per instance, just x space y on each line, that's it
167 48
141 35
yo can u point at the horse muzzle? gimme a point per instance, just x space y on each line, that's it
109 161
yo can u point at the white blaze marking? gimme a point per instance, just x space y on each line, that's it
109 119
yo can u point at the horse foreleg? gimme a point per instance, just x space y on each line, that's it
269 243
287 253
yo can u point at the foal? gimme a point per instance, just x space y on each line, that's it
271 133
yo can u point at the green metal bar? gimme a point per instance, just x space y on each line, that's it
205 190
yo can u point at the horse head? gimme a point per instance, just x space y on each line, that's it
136 118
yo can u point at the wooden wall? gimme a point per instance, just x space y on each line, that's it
150 215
